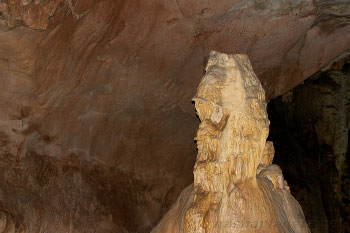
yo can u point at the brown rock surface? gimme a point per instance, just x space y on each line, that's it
227 194
96 121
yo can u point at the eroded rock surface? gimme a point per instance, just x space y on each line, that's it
96 120
227 194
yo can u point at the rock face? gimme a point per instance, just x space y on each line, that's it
230 193
96 120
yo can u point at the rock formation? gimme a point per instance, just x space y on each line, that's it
96 119
236 187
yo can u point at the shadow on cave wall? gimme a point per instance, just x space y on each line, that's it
309 128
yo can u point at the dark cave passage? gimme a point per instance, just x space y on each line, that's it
309 129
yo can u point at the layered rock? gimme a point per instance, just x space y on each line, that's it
230 193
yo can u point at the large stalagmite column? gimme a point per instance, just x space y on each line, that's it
227 194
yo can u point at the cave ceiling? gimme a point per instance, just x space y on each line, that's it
95 96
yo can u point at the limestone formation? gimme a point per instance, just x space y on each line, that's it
96 122
227 194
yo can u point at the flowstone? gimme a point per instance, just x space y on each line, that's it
236 187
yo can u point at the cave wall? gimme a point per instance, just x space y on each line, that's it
96 119
310 128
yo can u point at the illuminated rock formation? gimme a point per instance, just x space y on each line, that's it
96 120
227 194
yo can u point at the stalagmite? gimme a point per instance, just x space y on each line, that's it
236 187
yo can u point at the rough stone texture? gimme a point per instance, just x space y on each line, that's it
311 128
35 14
95 97
227 194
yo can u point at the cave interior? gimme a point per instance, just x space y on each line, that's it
97 123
